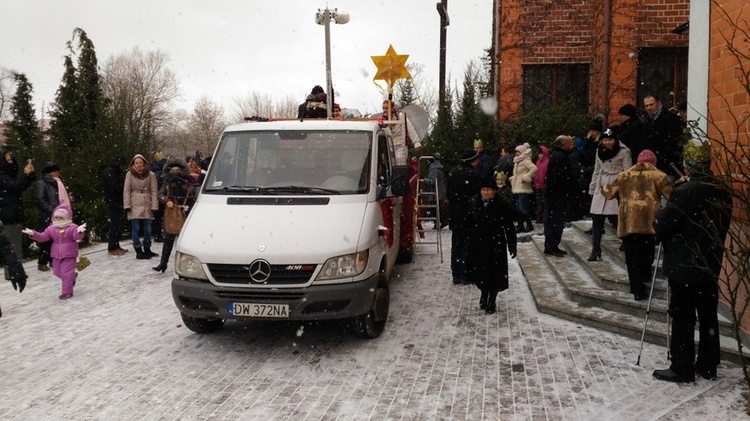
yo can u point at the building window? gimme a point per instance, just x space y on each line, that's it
550 84
663 71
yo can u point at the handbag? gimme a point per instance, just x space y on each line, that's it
83 263
174 218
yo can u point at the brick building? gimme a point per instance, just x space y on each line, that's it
600 54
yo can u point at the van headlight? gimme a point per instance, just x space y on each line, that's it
188 266
345 266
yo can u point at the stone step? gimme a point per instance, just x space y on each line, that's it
577 299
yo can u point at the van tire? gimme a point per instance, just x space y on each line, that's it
200 325
371 324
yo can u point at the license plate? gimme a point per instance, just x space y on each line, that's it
258 310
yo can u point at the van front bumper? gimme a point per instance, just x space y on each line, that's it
205 300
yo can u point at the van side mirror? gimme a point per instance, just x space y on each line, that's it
400 180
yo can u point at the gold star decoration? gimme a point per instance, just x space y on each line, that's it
391 67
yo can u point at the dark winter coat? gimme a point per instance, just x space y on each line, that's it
630 134
12 186
505 164
9 258
692 228
662 136
176 186
47 198
492 235
114 182
560 181
639 190
463 183
484 166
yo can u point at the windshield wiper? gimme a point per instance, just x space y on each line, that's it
254 189
300 189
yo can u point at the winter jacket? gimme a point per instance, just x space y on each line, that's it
47 198
176 186
639 190
662 136
463 183
523 174
605 172
484 166
114 182
492 235
12 186
630 134
560 181
64 240
140 193
436 179
692 228
505 164
540 182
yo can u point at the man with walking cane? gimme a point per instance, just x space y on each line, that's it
692 229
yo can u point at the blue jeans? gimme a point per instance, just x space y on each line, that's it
522 204
459 253
135 225
115 221
554 225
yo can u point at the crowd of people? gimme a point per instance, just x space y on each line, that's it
668 197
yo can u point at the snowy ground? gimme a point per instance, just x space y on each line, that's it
118 351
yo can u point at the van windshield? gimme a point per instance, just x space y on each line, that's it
291 162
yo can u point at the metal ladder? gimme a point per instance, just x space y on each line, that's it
427 201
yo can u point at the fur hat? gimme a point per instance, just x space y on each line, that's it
628 110
478 143
523 148
469 155
49 167
697 157
647 156
597 123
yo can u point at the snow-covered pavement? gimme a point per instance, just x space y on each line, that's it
118 351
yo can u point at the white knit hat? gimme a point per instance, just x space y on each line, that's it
523 148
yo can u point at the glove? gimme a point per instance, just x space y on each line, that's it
512 253
81 228
27 231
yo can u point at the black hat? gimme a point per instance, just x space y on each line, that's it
317 89
609 134
469 155
628 110
49 167
597 124
487 182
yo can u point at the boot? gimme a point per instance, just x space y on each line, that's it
139 254
519 227
491 305
596 253
166 251
483 299
529 225
147 250
539 217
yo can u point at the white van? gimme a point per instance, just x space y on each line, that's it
296 220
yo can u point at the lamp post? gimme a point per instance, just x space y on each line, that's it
442 8
324 17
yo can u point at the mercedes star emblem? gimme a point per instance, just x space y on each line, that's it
260 271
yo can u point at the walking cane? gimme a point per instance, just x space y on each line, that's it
648 309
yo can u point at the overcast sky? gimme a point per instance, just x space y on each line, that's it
229 48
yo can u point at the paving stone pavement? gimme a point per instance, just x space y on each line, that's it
118 351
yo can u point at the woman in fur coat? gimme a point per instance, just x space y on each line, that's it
176 190
612 158
521 184
639 190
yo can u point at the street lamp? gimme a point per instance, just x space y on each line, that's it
324 17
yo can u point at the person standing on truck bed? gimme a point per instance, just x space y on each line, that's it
463 183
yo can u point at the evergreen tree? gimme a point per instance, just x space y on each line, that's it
405 93
22 132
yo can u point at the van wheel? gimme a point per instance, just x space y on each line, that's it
200 325
371 324
405 256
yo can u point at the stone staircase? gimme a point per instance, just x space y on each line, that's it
597 294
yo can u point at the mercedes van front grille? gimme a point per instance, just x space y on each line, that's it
248 274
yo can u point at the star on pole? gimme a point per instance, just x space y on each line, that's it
391 67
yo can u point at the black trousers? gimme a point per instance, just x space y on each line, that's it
686 300
639 256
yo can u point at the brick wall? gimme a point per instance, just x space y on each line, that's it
570 31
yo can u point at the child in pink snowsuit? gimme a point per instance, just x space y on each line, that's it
64 235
